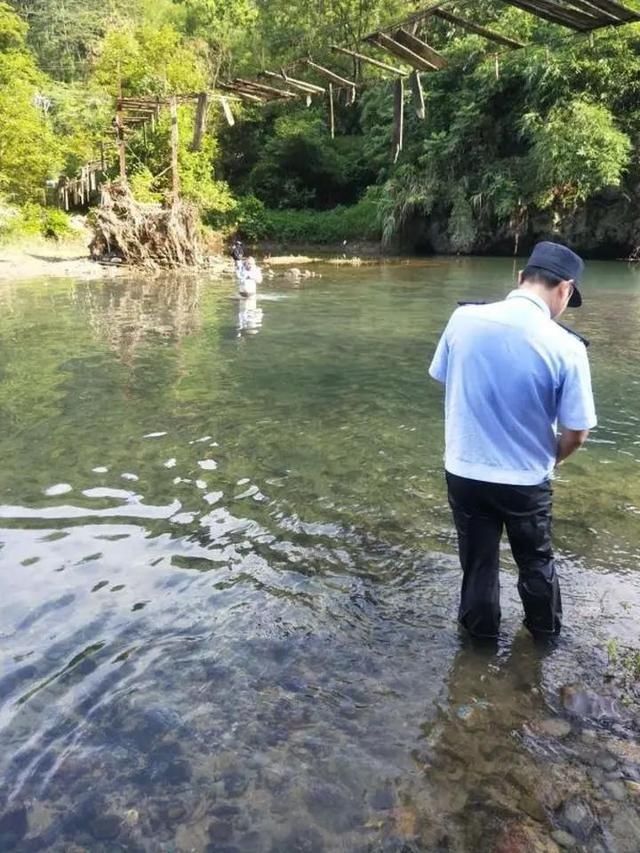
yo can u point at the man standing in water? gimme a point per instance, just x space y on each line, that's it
512 377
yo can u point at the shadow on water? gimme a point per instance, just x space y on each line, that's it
229 584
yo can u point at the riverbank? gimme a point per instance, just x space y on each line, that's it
54 260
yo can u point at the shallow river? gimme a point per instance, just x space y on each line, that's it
228 579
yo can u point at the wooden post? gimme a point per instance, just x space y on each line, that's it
332 118
398 118
200 121
175 175
120 140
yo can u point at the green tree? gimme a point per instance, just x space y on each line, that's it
577 151
28 149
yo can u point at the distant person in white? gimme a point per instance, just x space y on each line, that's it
512 379
250 276
249 315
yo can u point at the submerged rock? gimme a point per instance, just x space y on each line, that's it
577 817
13 828
564 839
555 727
585 704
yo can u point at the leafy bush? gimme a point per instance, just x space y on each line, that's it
356 222
32 220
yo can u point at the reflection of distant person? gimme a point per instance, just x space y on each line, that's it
249 316
237 253
250 277
512 376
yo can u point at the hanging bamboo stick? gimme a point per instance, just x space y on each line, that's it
332 119
418 94
226 109
398 118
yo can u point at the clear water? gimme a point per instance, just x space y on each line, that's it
229 582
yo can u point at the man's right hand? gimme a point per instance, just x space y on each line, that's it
569 441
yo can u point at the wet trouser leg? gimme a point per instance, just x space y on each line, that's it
479 530
528 523
480 510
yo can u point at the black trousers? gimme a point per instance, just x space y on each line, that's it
480 512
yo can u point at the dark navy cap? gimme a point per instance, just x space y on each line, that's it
561 261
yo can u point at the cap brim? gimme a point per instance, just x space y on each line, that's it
576 298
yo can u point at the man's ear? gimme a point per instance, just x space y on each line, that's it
519 277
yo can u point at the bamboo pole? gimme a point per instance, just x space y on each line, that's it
122 157
418 94
472 27
292 82
330 75
392 69
175 175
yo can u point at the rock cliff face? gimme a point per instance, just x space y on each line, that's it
608 227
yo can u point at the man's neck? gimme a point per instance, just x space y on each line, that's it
538 290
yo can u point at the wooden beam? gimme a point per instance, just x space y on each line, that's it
612 13
391 46
243 93
471 27
302 85
330 75
392 69
554 13
420 47
262 87
615 8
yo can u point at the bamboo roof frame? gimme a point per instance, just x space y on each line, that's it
400 40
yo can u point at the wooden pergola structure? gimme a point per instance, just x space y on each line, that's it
403 54
407 54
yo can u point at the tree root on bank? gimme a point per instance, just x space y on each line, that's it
145 235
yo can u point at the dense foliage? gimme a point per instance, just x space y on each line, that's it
534 141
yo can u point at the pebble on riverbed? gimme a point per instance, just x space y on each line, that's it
564 839
555 727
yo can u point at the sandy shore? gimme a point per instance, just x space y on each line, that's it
50 260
